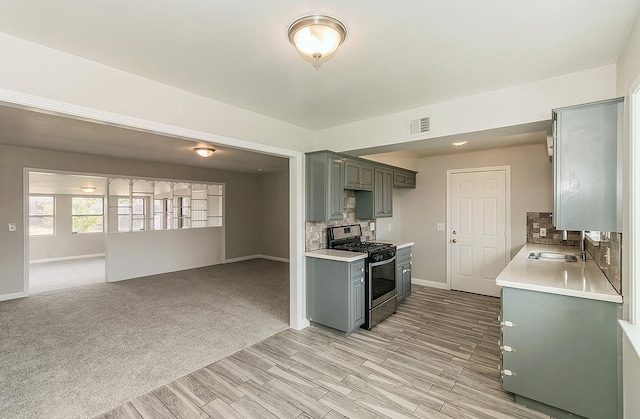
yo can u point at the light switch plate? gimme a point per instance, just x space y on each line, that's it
440 226
543 232
13 227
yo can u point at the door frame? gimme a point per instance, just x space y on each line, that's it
507 211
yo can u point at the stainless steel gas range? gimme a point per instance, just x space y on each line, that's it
380 271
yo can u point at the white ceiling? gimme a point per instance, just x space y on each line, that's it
398 55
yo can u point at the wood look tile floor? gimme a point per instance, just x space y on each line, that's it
437 357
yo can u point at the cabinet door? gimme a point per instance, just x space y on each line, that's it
366 176
406 279
336 192
356 305
383 193
351 175
562 351
586 166
400 281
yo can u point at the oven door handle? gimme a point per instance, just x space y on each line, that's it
382 262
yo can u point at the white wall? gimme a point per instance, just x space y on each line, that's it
65 244
522 104
416 211
273 208
628 72
49 73
137 254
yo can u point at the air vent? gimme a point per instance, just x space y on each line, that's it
419 126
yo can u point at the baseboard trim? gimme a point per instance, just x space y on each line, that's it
428 283
243 258
13 296
95 255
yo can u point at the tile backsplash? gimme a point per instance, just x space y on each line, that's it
316 232
538 220
597 248
607 243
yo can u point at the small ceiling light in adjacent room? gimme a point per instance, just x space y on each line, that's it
317 36
88 189
205 151
460 144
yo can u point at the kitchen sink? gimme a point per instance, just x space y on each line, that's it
553 256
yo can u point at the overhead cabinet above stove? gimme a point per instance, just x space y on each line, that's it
329 174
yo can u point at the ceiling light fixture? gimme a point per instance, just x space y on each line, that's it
204 151
317 36
460 144
88 189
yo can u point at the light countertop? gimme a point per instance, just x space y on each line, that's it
576 279
338 255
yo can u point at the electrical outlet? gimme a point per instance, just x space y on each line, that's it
372 226
440 226
543 232
13 227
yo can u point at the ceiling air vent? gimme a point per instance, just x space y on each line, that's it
419 126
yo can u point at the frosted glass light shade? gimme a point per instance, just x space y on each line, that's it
317 36
204 151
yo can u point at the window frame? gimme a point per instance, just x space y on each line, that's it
102 215
52 216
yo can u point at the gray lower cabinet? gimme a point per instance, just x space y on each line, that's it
325 192
358 175
587 166
559 354
403 273
335 296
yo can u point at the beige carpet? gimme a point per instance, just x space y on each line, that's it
62 274
79 352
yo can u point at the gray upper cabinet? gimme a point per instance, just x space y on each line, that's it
358 175
587 166
404 179
379 202
325 192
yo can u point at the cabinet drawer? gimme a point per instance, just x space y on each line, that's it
403 254
356 269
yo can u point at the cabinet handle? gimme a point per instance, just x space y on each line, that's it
362 280
508 373
507 324
498 317
507 348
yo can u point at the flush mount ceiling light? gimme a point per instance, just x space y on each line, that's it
317 36
460 144
87 189
204 151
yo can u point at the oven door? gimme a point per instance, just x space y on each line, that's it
382 281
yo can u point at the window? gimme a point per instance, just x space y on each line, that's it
139 204
41 215
87 214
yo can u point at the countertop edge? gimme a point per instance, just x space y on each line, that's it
560 291
349 256
403 245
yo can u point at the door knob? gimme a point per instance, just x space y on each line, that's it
454 241
454 232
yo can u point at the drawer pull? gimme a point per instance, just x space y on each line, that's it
508 373
507 323
507 348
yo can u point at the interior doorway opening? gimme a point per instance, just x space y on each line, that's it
67 230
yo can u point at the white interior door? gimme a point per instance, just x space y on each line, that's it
477 230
